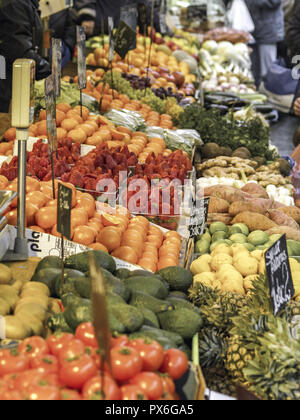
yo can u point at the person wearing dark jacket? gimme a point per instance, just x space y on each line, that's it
268 18
293 31
21 36
63 26
91 12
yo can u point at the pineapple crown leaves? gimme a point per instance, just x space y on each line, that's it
260 298
274 370
202 295
212 346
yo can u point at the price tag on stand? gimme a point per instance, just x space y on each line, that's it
124 38
198 218
56 64
100 314
279 275
151 41
128 15
50 100
81 57
64 207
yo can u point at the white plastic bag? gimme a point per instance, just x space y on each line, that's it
239 17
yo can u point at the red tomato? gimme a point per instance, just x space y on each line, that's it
33 347
76 372
167 396
121 341
125 362
57 341
150 383
54 379
175 363
45 363
168 383
133 393
70 395
86 333
151 352
71 350
42 392
9 381
11 395
95 354
27 378
12 361
98 388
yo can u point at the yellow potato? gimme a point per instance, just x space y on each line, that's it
233 286
201 265
295 266
248 282
219 260
246 266
257 254
205 278
222 249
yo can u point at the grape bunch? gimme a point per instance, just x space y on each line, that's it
137 82
163 93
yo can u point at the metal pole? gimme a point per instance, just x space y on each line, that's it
22 154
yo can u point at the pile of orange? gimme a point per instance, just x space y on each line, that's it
98 227
7 147
111 99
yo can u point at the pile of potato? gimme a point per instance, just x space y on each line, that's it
234 268
252 206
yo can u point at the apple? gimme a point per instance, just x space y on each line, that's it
170 78
179 78
156 74
159 41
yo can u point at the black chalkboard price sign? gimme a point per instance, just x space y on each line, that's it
198 219
64 207
81 58
279 275
124 38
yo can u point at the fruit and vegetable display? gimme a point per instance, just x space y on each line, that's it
66 367
168 296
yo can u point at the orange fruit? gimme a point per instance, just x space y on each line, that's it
150 255
98 247
110 220
87 205
37 229
165 262
126 253
167 250
110 237
148 264
46 217
79 217
171 233
84 235
37 198
155 240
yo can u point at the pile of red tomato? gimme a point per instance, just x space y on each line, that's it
67 367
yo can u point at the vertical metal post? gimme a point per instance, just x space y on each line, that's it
22 154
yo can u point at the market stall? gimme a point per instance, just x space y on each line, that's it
157 216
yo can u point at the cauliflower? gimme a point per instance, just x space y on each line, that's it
219 260
201 265
246 266
233 286
248 282
222 249
257 254
205 278
230 274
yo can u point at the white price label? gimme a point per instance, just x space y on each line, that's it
2 328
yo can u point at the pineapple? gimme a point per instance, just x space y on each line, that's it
274 373
202 295
212 346
237 358
218 381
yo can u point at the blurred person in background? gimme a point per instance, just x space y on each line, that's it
63 26
21 36
91 12
268 18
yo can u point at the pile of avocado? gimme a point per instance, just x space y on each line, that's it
139 303
218 233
